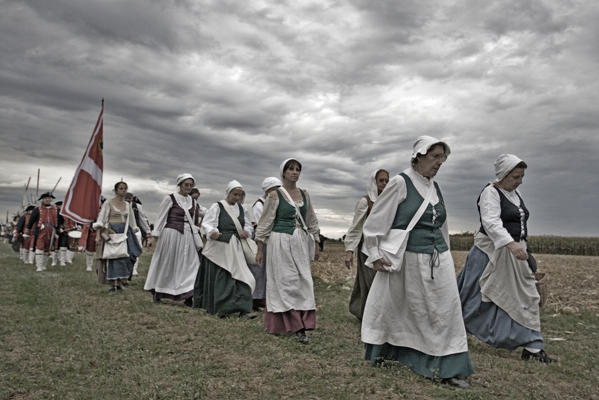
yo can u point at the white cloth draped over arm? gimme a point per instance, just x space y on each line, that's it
165 206
101 221
267 219
311 220
132 220
490 215
382 214
210 221
354 233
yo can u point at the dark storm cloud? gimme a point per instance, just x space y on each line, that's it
227 90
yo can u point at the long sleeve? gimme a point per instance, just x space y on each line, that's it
143 220
257 210
132 221
490 215
354 233
247 222
311 220
210 221
381 216
35 216
267 219
165 206
102 216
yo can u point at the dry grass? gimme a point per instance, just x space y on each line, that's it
63 337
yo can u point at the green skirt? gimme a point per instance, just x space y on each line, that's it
218 293
450 366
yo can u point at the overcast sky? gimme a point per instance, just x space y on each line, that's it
228 89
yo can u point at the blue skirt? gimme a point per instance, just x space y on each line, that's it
485 320
122 268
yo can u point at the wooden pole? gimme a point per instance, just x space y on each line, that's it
24 198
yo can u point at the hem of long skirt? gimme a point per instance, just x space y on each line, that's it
174 297
443 367
291 321
118 277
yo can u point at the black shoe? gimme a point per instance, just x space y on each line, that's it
540 356
156 297
302 338
456 382
112 290
188 302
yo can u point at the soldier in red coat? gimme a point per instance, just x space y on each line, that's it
45 218
22 233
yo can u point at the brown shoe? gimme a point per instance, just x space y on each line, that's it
540 356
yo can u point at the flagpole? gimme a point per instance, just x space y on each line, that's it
37 188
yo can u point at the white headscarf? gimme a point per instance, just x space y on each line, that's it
285 162
184 176
373 191
424 143
270 182
232 185
504 164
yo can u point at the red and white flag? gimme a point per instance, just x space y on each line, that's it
82 200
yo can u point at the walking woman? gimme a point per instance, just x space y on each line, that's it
114 216
500 302
354 240
175 261
224 283
288 223
413 312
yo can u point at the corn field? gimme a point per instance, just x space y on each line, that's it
579 246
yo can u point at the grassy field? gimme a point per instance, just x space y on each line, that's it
62 336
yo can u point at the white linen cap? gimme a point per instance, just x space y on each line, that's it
285 162
504 164
424 143
232 185
270 182
184 176
373 191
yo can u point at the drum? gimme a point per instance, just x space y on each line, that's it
74 237
74 234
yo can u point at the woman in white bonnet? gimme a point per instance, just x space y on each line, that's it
259 271
500 302
224 283
290 305
175 261
353 242
412 314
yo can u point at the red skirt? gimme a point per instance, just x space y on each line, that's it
289 321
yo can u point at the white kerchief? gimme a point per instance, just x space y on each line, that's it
270 182
424 143
285 162
504 164
184 176
232 185
373 191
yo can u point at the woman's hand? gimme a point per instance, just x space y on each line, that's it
380 264
518 251
259 257
349 257
244 235
214 235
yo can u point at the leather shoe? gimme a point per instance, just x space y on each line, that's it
456 382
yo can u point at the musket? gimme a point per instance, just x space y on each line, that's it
37 188
25 193
54 188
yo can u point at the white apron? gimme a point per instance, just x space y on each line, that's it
229 256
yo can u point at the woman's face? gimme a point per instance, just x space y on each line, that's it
121 189
429 164
292 173
382 178
186 186
512 180
234 196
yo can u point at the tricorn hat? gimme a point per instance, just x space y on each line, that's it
47 194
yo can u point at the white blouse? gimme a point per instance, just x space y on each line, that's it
210 221
165 205
384 209
490 214
354 233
